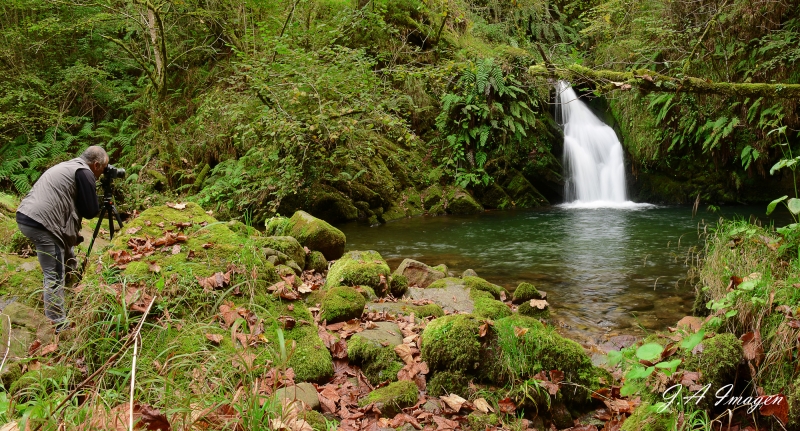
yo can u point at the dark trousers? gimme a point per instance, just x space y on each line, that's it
52 257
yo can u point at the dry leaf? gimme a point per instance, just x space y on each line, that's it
48 349
176 206
176 249
482 405
753 350
520 331
154 267
214 338
404 352
540 304
133 230
453 401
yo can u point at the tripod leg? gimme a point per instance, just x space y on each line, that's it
110 221
91 244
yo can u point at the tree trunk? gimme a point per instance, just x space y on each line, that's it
648 81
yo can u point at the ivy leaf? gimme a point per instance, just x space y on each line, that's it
649 352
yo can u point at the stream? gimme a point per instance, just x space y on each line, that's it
606 270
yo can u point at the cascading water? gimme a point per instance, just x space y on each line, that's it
595 172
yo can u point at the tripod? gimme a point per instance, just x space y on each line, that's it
108 208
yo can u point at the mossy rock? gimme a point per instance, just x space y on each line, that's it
418 273
647 418
488 307
477 283
492 196
315 261
288 245
525 292
451 343
431 196
406 308
23 278
242 229
459 201
341 303
398 285
276 226
331 205
718 361
359 268
526 309
316 234
213 246
315 419
378 363
392 399
510 356
449 382
27 325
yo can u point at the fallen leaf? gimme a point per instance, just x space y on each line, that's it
482 405
214 338
133 230
176 206
34 347
539 304
453 401
48 349
404 352
507 406
520 331
753 350
778 407
145 417
154 267
176 249
218 280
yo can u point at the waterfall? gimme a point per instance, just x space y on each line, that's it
593 162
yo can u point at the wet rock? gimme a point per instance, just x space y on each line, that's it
287 245
305 392
387 334
418 274
459 201
405 308
469 273
452 298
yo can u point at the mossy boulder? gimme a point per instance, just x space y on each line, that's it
431 196
22 278
449 382
379 363
525 292
316 234
459 201
242 229
392 399
451 343
287 245
406 308
540 311
418 274
488 307
492 196
398 285
360 268
315 261
341 303
330 204
718 360
511 355
477 283
276 226
27 325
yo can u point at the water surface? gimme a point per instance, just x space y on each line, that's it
604 269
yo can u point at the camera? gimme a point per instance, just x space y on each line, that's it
111 172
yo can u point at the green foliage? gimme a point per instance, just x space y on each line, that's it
487 116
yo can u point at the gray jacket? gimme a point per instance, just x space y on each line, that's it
51 201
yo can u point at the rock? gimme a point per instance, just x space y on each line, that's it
459 201
360 268
525 292
27 325
405 308
276 226
305 392
398 285
315 261
469 273
340 304
452 298
373 350
330 204
391 399
560 415
541 309
316 234
287 245
450 343
387 334
449 382
418 273
475 283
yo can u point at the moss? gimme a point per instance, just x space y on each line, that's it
330 204
431 196
427 310
393 398
287 245
242 229
511 356
367 292
311 360
315 261
378 363
441 268
398 285
445 282
478 283
315 419
316 234
488 307
481 422
459 201
449 382
359 268
342 303
451 343
525 309
647 418
525 292
22 277
718 361
8 204
276 226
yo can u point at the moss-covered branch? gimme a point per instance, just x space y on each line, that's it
650 81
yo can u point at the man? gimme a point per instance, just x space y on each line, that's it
50 216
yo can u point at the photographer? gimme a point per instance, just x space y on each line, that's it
50 216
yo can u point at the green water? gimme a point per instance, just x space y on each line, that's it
605 270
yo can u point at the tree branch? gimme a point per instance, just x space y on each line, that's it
649 81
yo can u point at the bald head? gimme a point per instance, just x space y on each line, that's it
96 158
